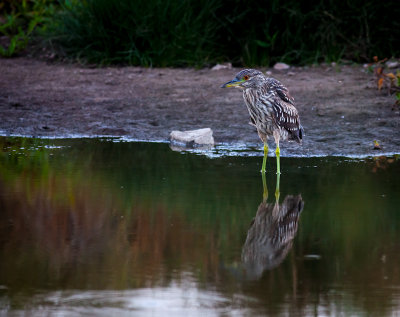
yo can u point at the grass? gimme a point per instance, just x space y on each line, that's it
201 33
149 33
18 22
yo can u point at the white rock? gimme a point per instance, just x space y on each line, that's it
193 137
281 66
392 64
222 66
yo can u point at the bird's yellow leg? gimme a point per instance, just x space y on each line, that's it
265 188
278 159
265 157
277 192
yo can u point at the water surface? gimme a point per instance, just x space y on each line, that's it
96 227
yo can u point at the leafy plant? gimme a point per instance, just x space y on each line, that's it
199 33
141 32
245 32
390 81
19 20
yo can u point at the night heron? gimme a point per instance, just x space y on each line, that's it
271 233
271 109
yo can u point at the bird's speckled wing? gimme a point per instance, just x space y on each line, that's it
284 113
283 93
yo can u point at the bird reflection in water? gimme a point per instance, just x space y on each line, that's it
271 233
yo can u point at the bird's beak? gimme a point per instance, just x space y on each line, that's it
233 83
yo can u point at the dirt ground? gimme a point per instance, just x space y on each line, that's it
340 108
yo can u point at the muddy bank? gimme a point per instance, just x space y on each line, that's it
340 108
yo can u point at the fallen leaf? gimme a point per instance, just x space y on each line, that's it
377 145
380 83
391 76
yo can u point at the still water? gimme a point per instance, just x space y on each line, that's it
92 227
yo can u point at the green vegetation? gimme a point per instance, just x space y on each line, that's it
159 33
19 20
199 33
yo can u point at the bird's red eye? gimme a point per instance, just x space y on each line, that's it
246 77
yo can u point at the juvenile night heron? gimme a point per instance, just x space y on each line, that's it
271 109
271 233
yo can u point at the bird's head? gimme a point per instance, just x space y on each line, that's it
246 78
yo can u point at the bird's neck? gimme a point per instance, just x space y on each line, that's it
255 92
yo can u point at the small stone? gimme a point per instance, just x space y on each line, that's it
392 64
281 66
193 138
268 72
222 66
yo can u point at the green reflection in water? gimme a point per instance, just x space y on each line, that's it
91 214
